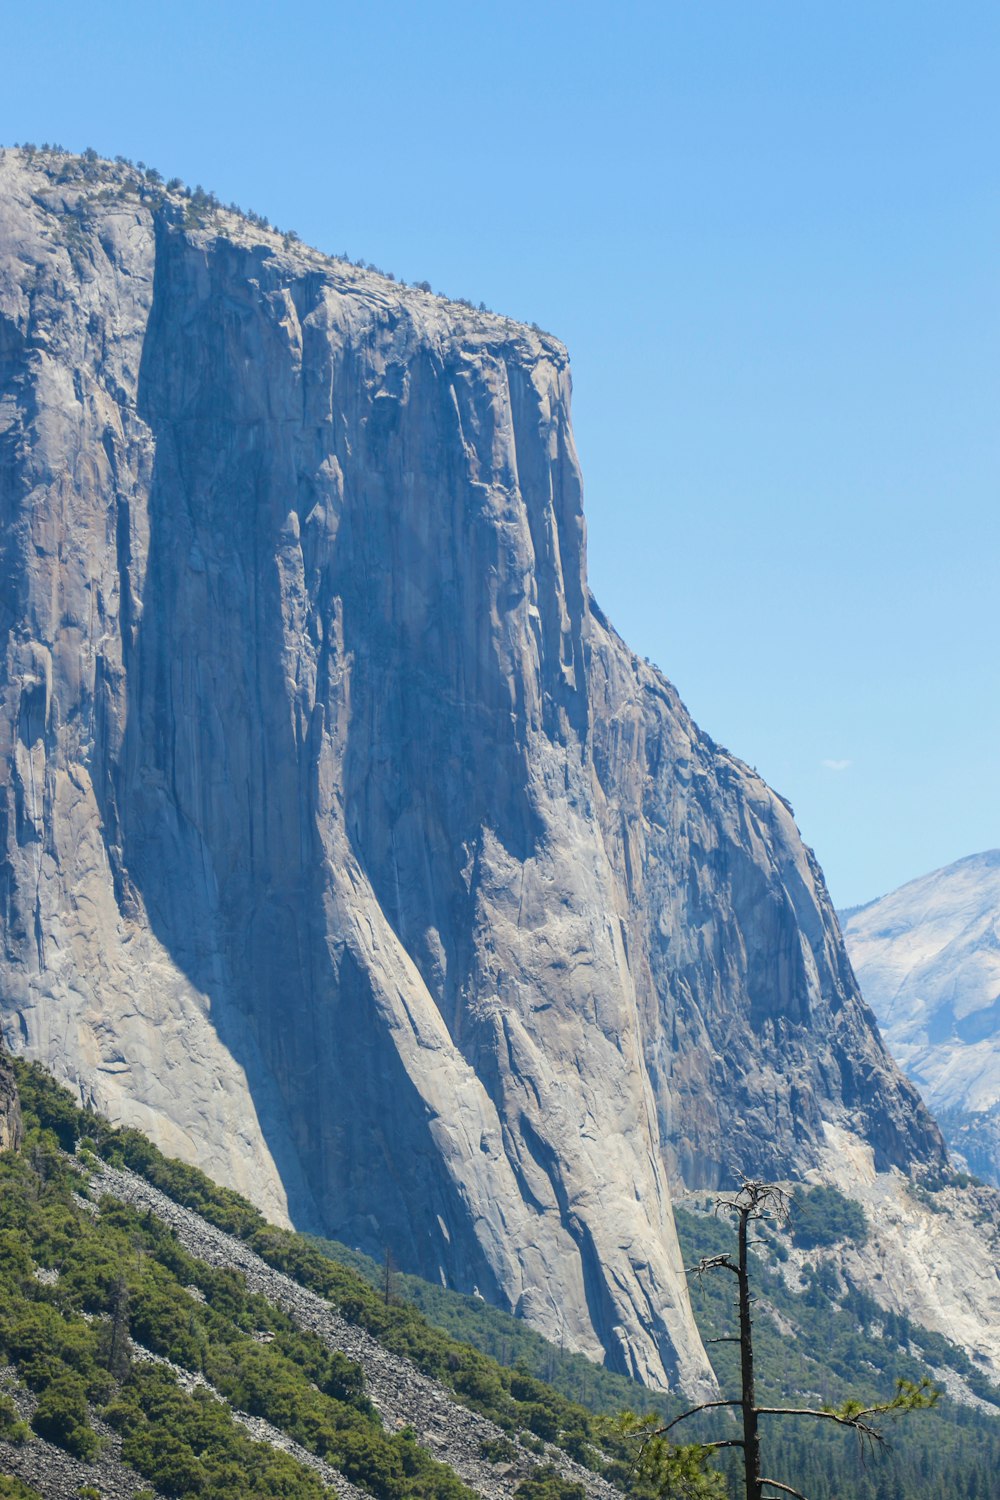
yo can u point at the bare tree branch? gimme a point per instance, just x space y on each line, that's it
705 1406
711 1263
759 1200
786 1487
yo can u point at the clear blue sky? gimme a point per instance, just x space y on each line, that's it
769 234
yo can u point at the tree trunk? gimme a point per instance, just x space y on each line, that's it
751 1441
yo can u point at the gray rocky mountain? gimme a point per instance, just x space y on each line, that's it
928 960
344 846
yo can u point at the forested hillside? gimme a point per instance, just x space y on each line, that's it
826 1340
92 1287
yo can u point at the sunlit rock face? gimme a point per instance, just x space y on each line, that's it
928 959
345 848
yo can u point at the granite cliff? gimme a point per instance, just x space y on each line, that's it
344 846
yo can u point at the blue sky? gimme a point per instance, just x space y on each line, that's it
769 234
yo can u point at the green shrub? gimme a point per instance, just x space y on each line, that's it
61 1417
15 1259
498 1450
822 1216
12 1429
189 1445
541 1420
54 1107
13 1489
546 1483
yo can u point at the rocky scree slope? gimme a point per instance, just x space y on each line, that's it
83 1240
928 960
401 1394
344 847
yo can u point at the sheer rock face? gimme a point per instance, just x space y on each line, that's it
343 846
754 1031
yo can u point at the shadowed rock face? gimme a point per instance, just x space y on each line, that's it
754 1031
345 847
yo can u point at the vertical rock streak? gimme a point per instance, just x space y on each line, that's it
345 847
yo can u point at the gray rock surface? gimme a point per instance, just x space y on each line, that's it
928 960
931 1255
344 847
11 1129
755 1036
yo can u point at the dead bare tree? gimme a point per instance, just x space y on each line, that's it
388 1269
752 1202
116 1346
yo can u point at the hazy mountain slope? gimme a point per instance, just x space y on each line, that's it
927 957
343 846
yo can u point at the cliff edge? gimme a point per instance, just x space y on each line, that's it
344 847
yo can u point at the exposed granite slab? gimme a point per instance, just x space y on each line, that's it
344 847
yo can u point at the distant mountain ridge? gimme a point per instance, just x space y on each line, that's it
927 957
